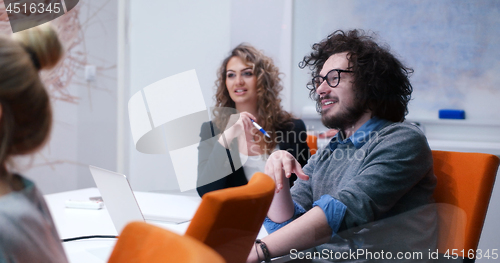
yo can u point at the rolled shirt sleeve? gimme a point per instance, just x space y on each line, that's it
334 211
272 226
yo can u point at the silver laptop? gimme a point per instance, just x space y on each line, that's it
120 200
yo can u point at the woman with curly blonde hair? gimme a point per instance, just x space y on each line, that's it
231 148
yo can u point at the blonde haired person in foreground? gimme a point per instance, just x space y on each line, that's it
27 232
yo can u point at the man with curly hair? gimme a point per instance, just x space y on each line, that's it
367 195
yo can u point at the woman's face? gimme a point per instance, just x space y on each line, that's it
241 83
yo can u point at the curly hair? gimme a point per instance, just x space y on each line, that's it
272 115
381 81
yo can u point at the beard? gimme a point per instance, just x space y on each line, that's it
346 117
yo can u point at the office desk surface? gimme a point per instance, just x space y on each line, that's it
72 222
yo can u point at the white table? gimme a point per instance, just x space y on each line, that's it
71 222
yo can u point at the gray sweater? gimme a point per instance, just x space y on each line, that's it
27 232
387 186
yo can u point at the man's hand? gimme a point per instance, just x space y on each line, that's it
280 166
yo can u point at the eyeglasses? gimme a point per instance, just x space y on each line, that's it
332 78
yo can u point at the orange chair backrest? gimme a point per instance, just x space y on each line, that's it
140 242
312 142
464 184
228 220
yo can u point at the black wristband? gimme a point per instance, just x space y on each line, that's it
257 251
265 251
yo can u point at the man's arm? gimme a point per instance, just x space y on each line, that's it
309 230
280 166
397 171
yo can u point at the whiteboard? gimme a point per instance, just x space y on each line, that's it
453 46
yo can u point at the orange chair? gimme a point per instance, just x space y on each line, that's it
312 142
464 185
228 220
140 242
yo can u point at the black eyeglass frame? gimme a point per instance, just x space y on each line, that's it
325 78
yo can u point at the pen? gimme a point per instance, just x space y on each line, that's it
260 128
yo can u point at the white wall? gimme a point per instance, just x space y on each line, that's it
97 110
166 38
197 35
84 128
451 45
267 25
157 40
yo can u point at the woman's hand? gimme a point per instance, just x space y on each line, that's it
280 166
238 125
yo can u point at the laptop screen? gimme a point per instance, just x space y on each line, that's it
117 196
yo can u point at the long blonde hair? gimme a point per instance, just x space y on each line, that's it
26 114
272 115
